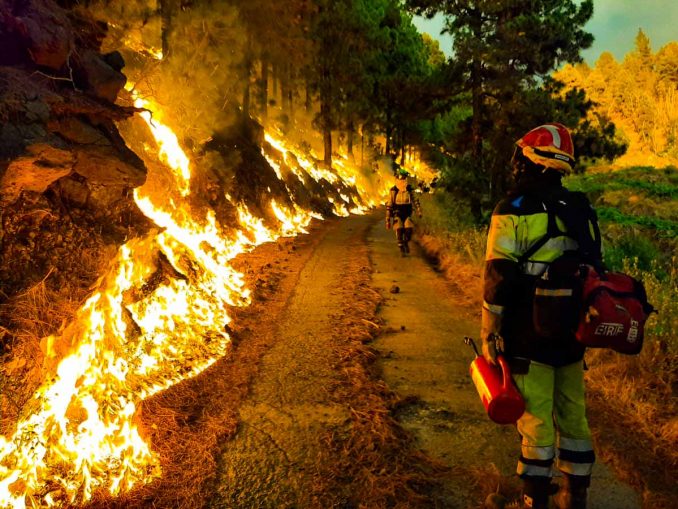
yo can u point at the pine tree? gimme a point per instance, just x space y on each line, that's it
505 50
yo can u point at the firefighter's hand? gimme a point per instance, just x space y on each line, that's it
388 224
489 349
490 327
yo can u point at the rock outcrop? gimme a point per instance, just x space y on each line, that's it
66 175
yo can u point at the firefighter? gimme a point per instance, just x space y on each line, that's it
549 373
401 203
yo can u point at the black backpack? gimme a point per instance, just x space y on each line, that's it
557 293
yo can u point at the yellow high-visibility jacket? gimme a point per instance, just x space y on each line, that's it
517 255
402 203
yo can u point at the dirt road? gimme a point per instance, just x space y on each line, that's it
317 428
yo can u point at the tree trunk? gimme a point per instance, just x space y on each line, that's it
247 64
327 144
274 85
166 12
349 139
389 132
290 100
263 90
284 90
477 104
326 125
307 104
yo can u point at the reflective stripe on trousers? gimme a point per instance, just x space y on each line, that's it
555 415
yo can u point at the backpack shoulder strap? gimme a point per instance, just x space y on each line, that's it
581 222
552 231
575 211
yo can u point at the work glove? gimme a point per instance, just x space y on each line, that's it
388 223
490 328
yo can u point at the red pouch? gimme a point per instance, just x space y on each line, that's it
613 312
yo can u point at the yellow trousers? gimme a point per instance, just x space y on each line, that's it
554 418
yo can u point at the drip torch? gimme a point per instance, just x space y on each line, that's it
500 397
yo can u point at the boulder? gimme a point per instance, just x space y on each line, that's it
115 60
43 29
36 170
100 180
94 75
66 143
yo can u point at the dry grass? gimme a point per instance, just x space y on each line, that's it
458 270
488 479
453 244
633 415
29 317
371 462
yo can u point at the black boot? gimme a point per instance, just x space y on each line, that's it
535 495
572 492
400 235
536 492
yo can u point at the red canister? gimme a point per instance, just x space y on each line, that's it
500 397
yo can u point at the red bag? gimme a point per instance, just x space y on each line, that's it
614 309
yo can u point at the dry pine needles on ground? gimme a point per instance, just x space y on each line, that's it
372 449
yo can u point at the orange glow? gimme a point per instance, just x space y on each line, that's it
78 434
157 317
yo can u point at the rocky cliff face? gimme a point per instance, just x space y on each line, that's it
66 175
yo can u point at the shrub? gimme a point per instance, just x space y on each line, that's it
632 246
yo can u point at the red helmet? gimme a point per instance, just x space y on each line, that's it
549 145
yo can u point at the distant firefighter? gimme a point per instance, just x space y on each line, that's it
402 202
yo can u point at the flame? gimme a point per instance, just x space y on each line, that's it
370 190
157 317
130 340
169 149
291 222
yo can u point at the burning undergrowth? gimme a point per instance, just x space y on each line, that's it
158 315
116 301
187 423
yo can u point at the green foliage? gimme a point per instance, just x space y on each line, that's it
653 181
450 219
503 52
662 293
368 64
638 212
669 228
436 58
632 246
407 91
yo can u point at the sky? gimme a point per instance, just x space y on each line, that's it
614 25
